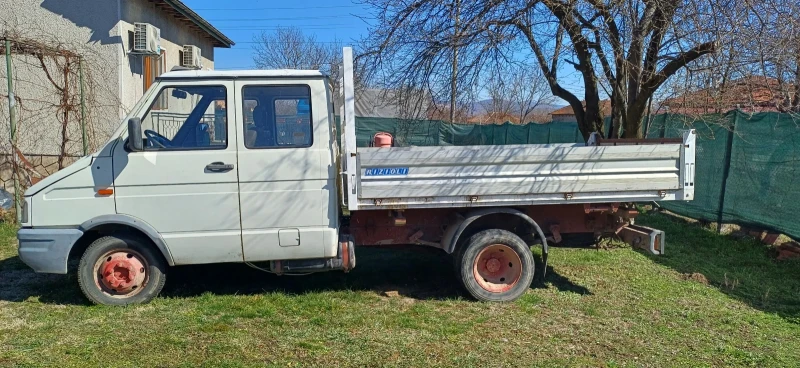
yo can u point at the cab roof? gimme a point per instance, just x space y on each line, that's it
234 74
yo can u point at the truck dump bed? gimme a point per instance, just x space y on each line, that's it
513 175
418 177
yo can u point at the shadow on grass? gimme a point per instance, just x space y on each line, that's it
741 268
19 283
560 282
413 272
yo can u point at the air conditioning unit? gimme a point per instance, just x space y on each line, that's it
146 39
191 57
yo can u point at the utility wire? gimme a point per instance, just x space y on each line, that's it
257 28
286 8
280 43
283 18
236 67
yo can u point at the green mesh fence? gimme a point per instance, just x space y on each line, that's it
435 132
747 165
711 153
765 162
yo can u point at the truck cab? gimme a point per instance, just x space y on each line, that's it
211 167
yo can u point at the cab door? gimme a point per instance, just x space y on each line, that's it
184 184
285 170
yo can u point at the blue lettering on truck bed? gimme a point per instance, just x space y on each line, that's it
386 171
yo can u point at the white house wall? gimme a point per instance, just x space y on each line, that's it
174 34
87 28
97 30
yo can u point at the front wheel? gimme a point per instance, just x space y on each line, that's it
121 270
495 265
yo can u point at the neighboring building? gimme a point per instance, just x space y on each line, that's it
102 33
493 118
567 115
750 94
386 103
381 103
537 116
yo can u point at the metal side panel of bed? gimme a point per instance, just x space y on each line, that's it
447 176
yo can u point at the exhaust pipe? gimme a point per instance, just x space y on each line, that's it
345 260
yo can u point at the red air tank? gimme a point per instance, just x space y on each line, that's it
382 139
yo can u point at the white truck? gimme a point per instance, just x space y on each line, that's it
244 166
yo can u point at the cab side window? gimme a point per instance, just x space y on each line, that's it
277 116
185 118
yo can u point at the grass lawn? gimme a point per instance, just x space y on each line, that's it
614 307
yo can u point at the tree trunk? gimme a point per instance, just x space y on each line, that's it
593 118
633 120
795 103
617 112
616 124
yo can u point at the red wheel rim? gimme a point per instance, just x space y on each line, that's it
497 268
121 273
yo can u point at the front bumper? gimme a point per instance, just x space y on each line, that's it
47 250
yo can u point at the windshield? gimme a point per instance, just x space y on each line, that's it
186 117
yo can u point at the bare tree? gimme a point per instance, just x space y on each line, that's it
757 69
500 105
290 48
529 90
771 48
515 92
632 47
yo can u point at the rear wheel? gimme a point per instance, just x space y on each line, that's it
495 265
121 270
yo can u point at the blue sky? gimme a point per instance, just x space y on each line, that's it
241 20
328 20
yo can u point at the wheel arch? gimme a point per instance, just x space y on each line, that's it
466 227
95 228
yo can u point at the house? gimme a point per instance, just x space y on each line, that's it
749 94
382 103
492 118
388 103
567 115
117 47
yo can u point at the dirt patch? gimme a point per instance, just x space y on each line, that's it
391 293
696 277
399 295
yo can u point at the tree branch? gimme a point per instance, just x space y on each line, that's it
555 87
655 81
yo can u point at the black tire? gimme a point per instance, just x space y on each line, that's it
151 260
498 240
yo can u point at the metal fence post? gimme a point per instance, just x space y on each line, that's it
83 108
528 133
12 113
726 171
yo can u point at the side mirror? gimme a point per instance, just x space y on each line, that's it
135 141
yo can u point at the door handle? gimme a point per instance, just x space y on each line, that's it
219 167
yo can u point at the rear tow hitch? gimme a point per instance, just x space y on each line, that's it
642 237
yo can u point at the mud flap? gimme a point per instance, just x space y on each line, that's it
544 260
545 249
